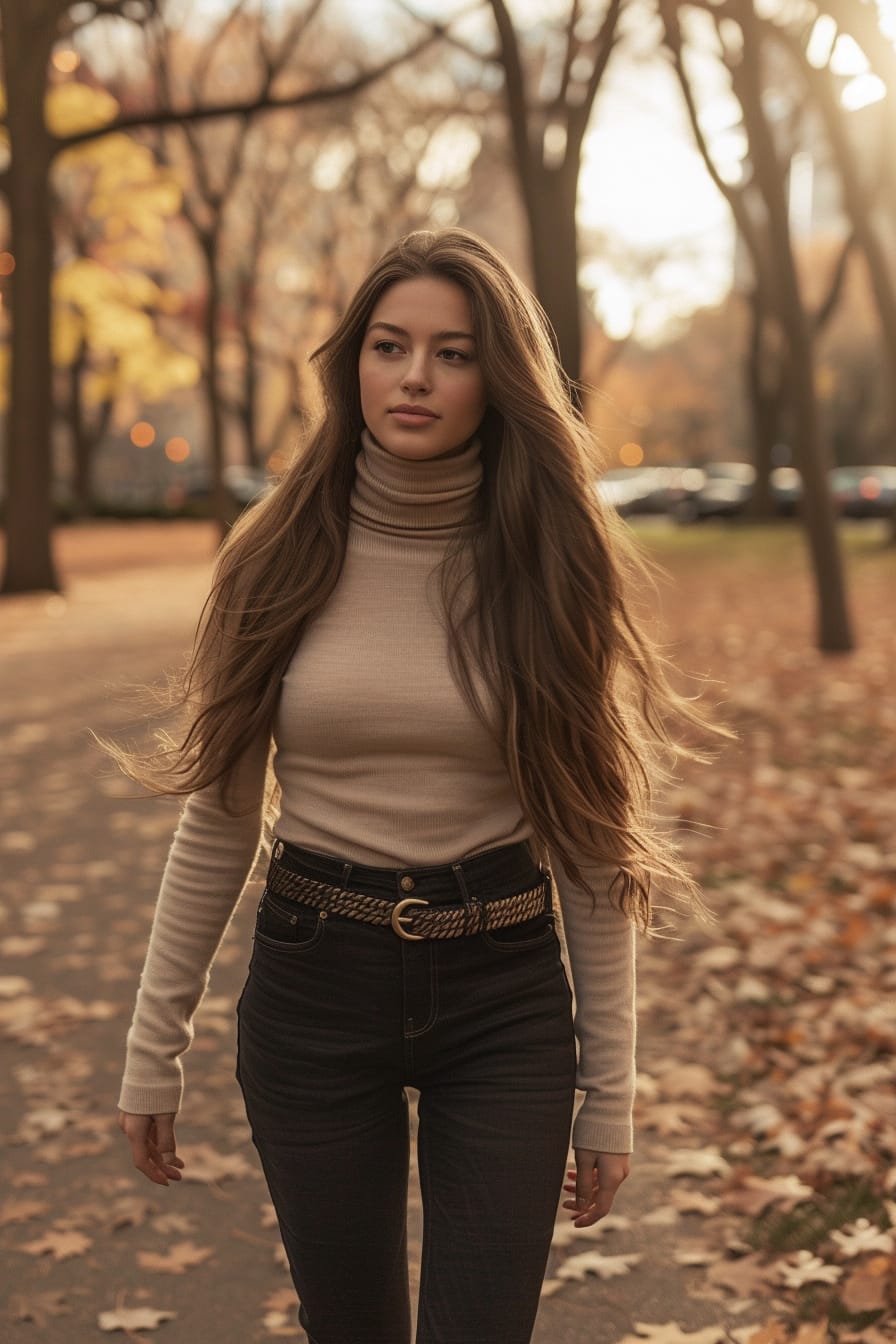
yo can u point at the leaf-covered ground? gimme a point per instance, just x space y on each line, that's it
763 1196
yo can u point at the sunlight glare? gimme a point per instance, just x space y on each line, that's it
848 58
862 91
821 43
449 155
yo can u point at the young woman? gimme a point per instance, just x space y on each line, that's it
426 619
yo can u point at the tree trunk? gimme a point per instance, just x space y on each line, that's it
220 504
859 200
82 455
550 195
764 382
834 632
29 454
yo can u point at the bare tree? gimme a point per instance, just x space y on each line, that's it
763 222
29 32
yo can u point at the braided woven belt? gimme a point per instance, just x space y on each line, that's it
433 922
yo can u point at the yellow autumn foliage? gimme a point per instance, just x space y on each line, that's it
156 368
66 335
88 285
71 107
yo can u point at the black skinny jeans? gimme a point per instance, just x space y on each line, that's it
335 1018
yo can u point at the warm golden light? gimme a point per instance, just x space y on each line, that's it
142 434
66 61
7 263
276 462
177 449
631 454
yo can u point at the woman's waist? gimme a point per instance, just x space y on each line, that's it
485 874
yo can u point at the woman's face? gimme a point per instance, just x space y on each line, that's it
418 351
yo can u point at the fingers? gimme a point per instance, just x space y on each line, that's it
594 1182
153 1145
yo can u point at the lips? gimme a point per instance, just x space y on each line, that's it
413 410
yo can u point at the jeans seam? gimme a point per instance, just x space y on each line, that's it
433 997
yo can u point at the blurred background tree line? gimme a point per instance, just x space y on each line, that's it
702 194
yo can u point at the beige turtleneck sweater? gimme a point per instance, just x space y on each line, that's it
379 759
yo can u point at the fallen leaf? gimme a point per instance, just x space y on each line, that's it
203 1162
689 1080
20 1210
39 1307
864 1291
803 1267
862 1236
176 1260
671 1333
11 986
670 1118
175 1224
62 1245
745 1276
130 1211
695 1201
592 1262
134 1318
758 1193
773 1332
695 1257
697 1162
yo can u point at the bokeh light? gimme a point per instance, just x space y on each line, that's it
7 263
142 434
177 449
631 454
66 61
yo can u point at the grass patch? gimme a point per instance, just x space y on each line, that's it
808 1225
758 543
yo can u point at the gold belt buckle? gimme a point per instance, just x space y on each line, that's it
397 912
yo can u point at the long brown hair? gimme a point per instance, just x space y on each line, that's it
581 690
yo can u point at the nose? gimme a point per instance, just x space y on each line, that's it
415 378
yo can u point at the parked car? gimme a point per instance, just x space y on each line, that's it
636 489
864 492
787 489
715 490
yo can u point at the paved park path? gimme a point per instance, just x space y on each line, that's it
80 1232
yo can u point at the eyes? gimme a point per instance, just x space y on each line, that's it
456 356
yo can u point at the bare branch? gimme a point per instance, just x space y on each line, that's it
735 196
514 81
580 116
826 308
569 54
178 116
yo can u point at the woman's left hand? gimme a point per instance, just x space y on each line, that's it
594 1183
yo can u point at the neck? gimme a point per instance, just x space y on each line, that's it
427 499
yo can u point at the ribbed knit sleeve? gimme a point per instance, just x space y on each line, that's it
601 952
211 857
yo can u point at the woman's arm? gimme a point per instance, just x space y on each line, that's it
601 950
211 856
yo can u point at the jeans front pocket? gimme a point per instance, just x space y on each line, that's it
534 932
287 925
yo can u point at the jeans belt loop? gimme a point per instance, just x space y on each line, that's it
472 904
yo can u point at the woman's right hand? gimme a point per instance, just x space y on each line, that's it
153 1145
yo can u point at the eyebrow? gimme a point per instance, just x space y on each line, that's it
439 335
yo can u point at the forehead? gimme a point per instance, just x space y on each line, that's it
424 304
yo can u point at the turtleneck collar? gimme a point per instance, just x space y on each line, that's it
428 499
